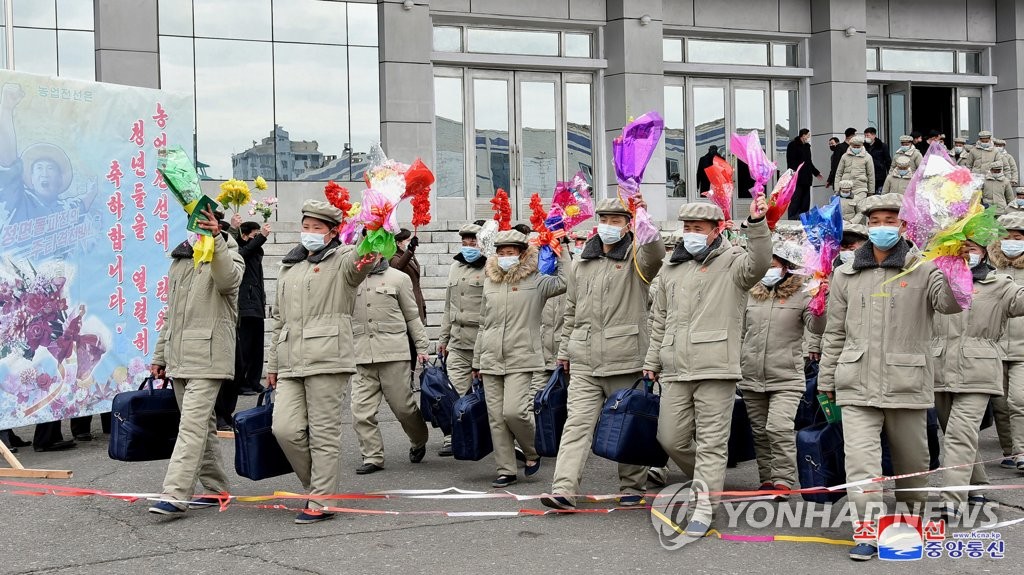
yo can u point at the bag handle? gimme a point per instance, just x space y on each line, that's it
648 385
266 396
148 384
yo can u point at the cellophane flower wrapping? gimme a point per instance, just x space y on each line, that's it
720 173
572 200
981 226
486 237
631 153
823 227
550 230
939 194
418 179
747 148
782 194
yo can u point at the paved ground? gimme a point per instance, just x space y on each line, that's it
61 535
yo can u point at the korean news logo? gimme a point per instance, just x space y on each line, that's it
672 508
910 538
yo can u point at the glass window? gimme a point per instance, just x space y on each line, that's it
493 41
362 24
719 52
364 104
491 121
708 123
873 113
917 60
35 51
675 142
231 122
447 39
35 13
787 123
784 54
450 138
672 50
74 15
3 48
539 136
969 112
749 110
579 130
309 21
177 65
242 19
896 104
76 55
175 17
872 58
310 100
577 45
969 62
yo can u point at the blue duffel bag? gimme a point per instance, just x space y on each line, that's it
257 453
550 410
809 412
437 396
471 431
627 430
821 460
144 423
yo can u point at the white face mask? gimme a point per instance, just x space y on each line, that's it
507 262
903 173
984 145
846 256
694 243
609 234
903 149
869 141
846 194
973 260
1012 248
312 241
958 150
773 277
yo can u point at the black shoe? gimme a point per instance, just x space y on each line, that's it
248 391
58 446
503 481
84 437
416 453
17 441
224 427
368 468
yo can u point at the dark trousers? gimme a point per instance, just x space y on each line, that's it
249 353
801 201
48 433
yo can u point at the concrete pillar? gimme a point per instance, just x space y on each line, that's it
839 85
1008 93
633 85
127 43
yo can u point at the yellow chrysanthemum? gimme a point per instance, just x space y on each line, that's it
261 184
354 210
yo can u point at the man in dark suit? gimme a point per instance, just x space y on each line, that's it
705 161
799 152
880 153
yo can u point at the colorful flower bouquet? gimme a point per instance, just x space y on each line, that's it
264 208
824 229
632 152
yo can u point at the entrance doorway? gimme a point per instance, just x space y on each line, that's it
897 108
932 109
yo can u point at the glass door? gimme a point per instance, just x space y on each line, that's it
538 151
494 142
897 112
750 112
707 115
968 113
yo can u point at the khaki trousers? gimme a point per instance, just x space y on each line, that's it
960 416
587 395
307 425
693 427
196 455
908 441
390 381
460 369
771 418
508 411
1009 409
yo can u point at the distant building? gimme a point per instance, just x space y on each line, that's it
293 158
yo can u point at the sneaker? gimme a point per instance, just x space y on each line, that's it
981 500
166 508
416 454
782 487
1008 463
697 529
863 552
1020 462
307 516
504 481
558 502
766 486
446 447
657 476
531 469
368 468
203 503
631 500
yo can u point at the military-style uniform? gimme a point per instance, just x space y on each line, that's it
844 189
997 190
1009 409
908 151
859 169
384 318
895 183
603 339
313 355
197 349
461 318
695 347
982 154
1009 163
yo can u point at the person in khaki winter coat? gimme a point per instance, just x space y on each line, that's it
311 356
844 189
1017 205
772 363
1007 256
508 347
196 348
969 371
384 319
695 343
461 318
875 358
601 343
858 166
1009 163
997 190
982 154
907 150
899 178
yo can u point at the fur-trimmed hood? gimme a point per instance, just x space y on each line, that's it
527 266
475 264
784 290
1001 260
899 257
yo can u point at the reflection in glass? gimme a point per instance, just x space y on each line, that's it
177 65
309 21
675 142
229 120
577 45
311 103
708 120
35 13
74 14
969 111
672 50
719 52
3 48
491 124
364 105
35 51
447 39
76 55
578 136
539 138
242 19
175 17
362 24
490 41
897 102
917 60
787 120
450 137
969 62
749 107
783 54
872 58
873 113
